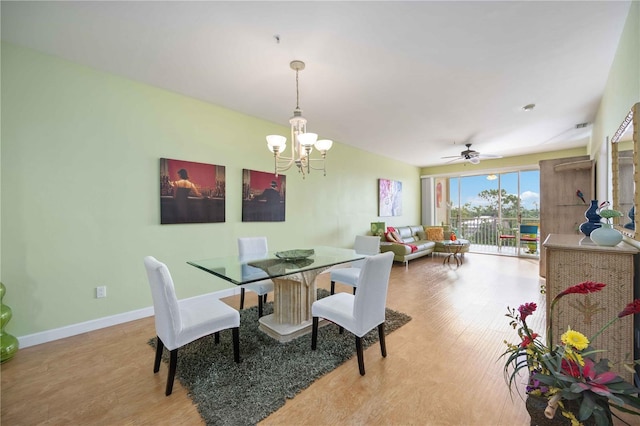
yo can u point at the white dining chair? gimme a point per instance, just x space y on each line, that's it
255 248
361 312
179 322
364 245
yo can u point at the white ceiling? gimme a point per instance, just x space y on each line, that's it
413 81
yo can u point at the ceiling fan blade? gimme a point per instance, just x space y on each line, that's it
489 156
454 160
451 156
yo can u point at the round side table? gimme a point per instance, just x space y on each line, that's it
453 249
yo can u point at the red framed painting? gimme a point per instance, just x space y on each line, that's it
263 196
191 192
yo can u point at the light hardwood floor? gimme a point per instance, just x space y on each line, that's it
442 367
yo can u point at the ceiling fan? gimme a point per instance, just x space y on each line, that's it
470 155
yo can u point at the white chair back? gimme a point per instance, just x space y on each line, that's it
252 248
249 246
367 245
165 303
371 298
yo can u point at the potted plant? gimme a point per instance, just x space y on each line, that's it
569 377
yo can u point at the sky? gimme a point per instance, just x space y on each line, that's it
472 185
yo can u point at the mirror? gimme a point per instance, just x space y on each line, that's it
624 163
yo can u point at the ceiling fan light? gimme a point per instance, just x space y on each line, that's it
474 160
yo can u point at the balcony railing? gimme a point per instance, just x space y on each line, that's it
483 232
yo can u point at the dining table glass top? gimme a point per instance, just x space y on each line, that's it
248 269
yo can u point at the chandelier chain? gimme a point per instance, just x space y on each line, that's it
297 92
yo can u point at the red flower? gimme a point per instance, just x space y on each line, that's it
631 308
526 310
570 368
526 341
597 383
583 288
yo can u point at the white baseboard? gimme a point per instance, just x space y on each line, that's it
84 327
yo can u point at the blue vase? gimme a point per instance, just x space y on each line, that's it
593 219
632 215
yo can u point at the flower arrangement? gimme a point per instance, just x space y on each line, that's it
568 374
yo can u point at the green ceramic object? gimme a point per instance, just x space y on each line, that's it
297 254
8 343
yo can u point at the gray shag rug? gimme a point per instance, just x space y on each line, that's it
227 393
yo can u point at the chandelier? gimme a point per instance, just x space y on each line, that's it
302 143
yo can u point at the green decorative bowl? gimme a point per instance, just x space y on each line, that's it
295 254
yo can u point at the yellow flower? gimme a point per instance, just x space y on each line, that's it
574 356
575 339
572 417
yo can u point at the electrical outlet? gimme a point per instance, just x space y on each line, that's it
101 291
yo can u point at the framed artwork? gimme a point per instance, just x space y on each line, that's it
191 192
378 228
263 196
390 197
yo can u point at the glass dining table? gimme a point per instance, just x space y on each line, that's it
293 273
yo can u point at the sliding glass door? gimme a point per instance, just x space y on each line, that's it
489 211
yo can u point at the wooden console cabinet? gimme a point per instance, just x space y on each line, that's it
572 259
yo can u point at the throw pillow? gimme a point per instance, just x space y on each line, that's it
421 235
391 235
435 234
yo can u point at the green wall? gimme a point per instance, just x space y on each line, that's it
623 84
80 154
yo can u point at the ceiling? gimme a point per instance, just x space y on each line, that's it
413 81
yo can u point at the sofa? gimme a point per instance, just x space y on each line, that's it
411 242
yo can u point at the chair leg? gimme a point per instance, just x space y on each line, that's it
260 303
360 355
333 287
173 361
236 344
383 344
354 291
241 298
216 337
159 348
265 297
314 333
